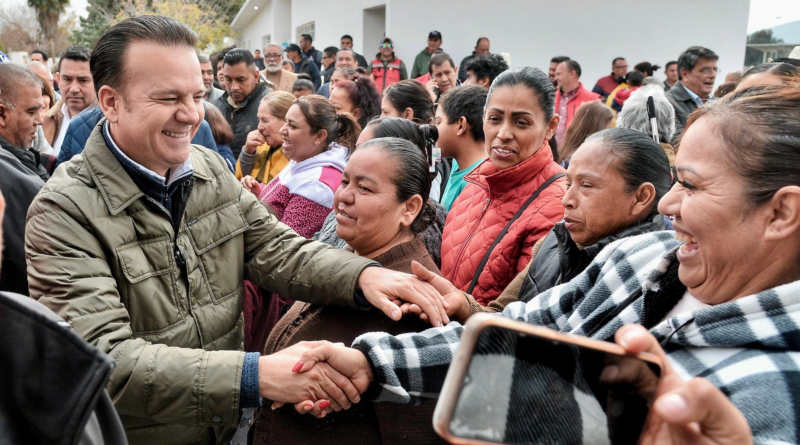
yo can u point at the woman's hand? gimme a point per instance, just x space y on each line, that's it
458 305
351 363
254 140
694 412
251 184
280 378
387 289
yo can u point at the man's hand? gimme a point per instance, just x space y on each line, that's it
349 362
432 86
254 140
280 381
458 305
694 412
386 290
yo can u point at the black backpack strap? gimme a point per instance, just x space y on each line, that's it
508 226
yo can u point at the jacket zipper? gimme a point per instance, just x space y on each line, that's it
471 232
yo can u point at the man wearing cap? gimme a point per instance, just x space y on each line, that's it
387 69
303 64
421 62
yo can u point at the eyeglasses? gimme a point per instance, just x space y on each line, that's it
273 56
386 45
707 71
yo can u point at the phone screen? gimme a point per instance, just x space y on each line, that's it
524 389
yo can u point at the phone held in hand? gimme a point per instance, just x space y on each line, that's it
515 383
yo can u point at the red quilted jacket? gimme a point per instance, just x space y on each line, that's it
481 211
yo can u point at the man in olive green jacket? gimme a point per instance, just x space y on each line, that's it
142 243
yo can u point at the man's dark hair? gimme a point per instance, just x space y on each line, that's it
467 101
559 59
688 60
239 55
439 58
573 66
108 58
479 40
490 66
330 51
77 53
38 51
670 63
12 78
307 37
614 62
302 84
346 36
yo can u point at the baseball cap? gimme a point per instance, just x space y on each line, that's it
435 35
386 40
293 47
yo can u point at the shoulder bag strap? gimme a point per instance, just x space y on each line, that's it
508 226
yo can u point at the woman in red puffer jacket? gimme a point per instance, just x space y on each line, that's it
490 231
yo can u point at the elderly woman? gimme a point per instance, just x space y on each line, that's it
381 208
614 184
634 116
513 199
262 155
721 293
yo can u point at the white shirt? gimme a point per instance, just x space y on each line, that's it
687 303
62 131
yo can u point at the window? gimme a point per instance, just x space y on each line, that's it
266 40
307 28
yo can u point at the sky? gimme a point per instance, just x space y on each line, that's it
769 13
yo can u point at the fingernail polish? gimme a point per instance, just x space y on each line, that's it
297 367
308 406
322 415
324 404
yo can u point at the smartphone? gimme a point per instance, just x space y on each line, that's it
515 383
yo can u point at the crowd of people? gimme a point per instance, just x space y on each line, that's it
299 234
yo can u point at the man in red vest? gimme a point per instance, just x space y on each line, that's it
570 94
387 69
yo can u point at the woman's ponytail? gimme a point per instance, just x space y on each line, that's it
429 135
348 130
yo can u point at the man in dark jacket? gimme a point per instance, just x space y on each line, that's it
244 92
328 63
303 64
606 85
347 42
424 57
481 49
21 172
697 71
309 51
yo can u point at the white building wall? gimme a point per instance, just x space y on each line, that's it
532 31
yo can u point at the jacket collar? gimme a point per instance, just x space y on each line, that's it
114 183
31 159
653 224
500 181
679 92
226 98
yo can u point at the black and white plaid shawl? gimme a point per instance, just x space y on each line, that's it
749 347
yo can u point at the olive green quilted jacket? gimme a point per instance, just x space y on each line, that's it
103 256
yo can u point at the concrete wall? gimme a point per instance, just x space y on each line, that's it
532 31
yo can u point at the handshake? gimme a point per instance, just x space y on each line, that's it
317 377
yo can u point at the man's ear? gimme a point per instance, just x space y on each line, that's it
111 102
4 115
463 126
484 82
58 77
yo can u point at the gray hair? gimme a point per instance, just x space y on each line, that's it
634 113
203 59
12 78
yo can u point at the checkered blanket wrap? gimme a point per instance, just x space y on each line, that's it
749 348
